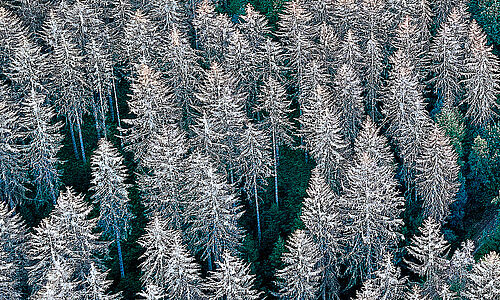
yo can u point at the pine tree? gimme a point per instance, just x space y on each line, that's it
211 211
67 80
370 140
415 293
121 13
413 49
483 279
322 221
59 284
162 179
96 286
43 143
167 14
277 125
429 251
240 62
231 280
482 81
152 292
12 171
8 279
11 34
321 11
347 94
328 47
442 8
300 278
460 264
372 208
345 16
447 54
437 175
110 192
152 103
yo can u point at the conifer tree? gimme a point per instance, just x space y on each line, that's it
43 143
12 171
482 80
300 278
152 292
442 9
276 124
321 11
152 103
437 174
110 192
350 53
11 34
413 49
328 47
9 280
212 211
483 279
231 280
460 264
370 140
415 293
166 14
429 252
59 284
345 16
96 286
121 13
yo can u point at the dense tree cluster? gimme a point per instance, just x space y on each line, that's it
147 149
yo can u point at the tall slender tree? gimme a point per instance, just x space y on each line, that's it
483 279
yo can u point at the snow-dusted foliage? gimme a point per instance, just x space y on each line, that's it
13 173
43 143
415 293
428 253
142 41
437 179
345 16
152 292
301 276
11 35
231 280
482 78
167 14
58 284
96 285
413 48
484 278
212 210
65 236
110 193
460 264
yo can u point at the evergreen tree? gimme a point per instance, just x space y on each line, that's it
429 251
152 292
437 179
110 192
13 173
345 16
300 278
11 35
320 10
442 8
415 293
211 211
483 279
276 124
370 140
9 289
482 81
96 286
460 264
231 280
166 14
43 143
59 284
413 48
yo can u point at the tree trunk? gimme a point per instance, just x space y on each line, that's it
259 233
275 154
210 267
120 257
82 147
72 132
96 118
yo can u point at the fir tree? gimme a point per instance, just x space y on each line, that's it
460 264
110 192
231 280
96 286
152 292
167 14
482 81
59 284
345 16
483 279
300 278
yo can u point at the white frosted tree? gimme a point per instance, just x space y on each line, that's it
13 172
370 140
349 101
43 143
120 12
301 276
328 47
277 125
437 174
322 221
345 15
320 10
162 178
152 104
152 292
442 8
415 293
110 193
11 34
212 210
9 280
96 286
482 80
460 264
484 278
350 53
166 14
59 284
414 50
428 252
231 280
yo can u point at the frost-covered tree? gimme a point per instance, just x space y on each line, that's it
71 96
254 27
328 47
413 49
460 264
9 280
152 292
484 278
212 210
120 12
231 280
350 53
320 10
428 252
59 284
482 80
301 276
240 62
166 14
96 286
276 124
43 143
372 213
110 193
152 104
66 235
442 8
447 56
415 293
11 34
323 222
162 179
349 101
13 173
322 133
345 16
370 140
437 174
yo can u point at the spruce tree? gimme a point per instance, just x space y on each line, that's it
96 286
483 279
